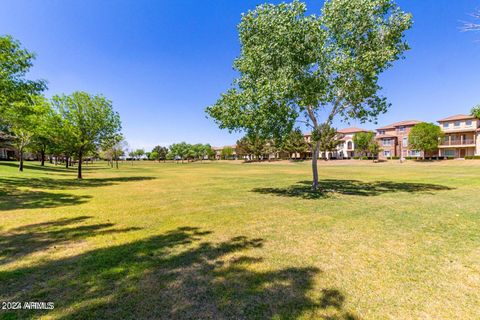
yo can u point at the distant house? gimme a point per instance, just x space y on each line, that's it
393 140
345 150
7 152
218 152
462 136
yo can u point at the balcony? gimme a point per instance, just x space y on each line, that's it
451 143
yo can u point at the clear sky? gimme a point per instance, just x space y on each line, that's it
163 61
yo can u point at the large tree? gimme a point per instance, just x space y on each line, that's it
90 118
15 62
311 68
425 137
161 152
23 119
295 143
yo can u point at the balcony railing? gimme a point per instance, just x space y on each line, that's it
463 142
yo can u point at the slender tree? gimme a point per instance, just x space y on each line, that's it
374 149
327 138
362 142
312 68
91 119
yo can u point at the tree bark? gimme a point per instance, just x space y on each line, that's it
20 155
42 155
66 161
80 155
315 153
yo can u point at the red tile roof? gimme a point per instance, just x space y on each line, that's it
351 130
457 117
400 124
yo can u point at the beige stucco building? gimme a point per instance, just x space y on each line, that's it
462 136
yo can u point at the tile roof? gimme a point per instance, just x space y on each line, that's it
457 117
351 130
401 123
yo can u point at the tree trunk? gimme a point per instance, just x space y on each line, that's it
116 162
42 155
316 150
20 155
80 155
66 162
51 159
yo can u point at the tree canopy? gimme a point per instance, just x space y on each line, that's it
90 120
298 67
363 141
425 137
15 62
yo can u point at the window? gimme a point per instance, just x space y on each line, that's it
401 128
468 123
457 124
415 153
446 125
387 142
386 153
381 131
405 142
449 153
349 145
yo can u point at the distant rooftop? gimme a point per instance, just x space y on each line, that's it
351 130
457 117
400 124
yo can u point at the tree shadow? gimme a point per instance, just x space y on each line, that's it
175 275
12 198
20 193
25 240
330 187
50 168
62 184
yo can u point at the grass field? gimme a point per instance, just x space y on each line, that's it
243 241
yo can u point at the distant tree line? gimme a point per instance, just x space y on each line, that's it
70 127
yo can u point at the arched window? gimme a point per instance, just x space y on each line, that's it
349 145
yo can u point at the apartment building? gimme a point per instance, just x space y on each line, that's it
462 136
393 140
346 150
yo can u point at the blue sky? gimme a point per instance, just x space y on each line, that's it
162 62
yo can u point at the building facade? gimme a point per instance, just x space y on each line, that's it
462 136
393 140
346 149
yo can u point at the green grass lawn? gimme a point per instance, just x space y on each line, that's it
242 241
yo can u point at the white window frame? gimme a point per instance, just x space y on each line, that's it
468 123
387 153
457 124
405 142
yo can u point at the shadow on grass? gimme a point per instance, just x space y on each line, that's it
21 193
25 240
329 187
175 275
12 198
50 168
61 184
